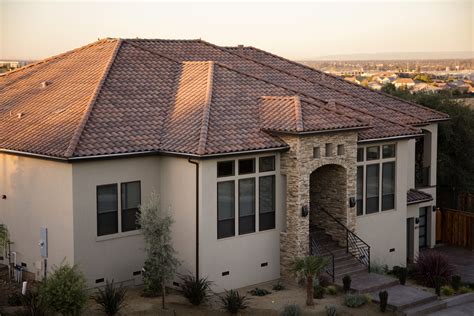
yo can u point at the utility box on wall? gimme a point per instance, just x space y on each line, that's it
43 243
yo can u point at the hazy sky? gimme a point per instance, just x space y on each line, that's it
298 30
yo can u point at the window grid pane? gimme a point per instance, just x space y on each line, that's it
131 200
266 203
246 166
266 164
372 189
388 186
246 206
360 154
388 151
373 153
225 168
360 190
225 209
107 209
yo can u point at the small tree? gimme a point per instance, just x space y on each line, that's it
310 267
3 237
161 263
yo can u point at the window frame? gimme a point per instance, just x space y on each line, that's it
256 175
233 210
381 161
116 208
122 209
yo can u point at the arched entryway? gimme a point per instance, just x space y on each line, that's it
328 191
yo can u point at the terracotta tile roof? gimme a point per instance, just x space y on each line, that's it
416 196
189 97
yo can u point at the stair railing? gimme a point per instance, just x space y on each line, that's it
318 249
355 246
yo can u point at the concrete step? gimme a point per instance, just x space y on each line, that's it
369 282
423 309
459 299
401 297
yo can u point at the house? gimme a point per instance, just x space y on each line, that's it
259 160
425 87
404 83
375 85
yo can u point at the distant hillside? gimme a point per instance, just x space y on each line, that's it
400 56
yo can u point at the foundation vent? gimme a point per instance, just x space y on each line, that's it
225 273
101 280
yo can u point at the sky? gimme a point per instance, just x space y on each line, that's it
298 30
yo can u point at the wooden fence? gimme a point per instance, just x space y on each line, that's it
457 228
466 201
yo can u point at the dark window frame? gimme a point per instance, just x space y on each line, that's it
254 215
377 165
233 211
115 211
136 209
260 213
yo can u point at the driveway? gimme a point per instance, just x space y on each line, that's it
463 259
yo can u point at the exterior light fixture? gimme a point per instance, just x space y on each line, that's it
417 220
4 197
352 201
304 210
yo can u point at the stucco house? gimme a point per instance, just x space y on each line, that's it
259 159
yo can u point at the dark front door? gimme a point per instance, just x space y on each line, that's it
422 227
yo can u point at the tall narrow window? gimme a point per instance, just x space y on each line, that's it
372 191
131 199
328 150
266 202
107 209
246 206
388 186
360 190
360 154
225 209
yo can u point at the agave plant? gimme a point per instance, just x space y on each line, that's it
111 298
195 290
233 302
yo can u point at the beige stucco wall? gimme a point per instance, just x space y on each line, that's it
118 256
241 255
38 193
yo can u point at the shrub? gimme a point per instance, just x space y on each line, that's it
331 290
383 297
233 302
324 280
431 264
32 304
378 268
279 286
14 299
64 291
259 292
346 281
331 310
111 299
195 290
292 310
401 273
456 282
438 283
447 290
464 290
355 300
318 291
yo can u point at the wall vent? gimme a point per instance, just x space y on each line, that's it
264 264
24 265
392 250
225 273
176 284
101 280
137 273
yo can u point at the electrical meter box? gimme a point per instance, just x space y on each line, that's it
43 243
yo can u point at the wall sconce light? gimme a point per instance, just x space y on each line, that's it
417 220
304 210
434 208
352 201
4 197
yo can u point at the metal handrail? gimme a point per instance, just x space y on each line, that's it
353 243
318 249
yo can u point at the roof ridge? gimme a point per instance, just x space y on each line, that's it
55 57
80 128
206 111
337 78
298 114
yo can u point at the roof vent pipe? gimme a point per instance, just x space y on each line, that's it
44 84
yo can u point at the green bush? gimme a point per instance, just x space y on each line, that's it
14 299
324 280
292 310
64 291
331 290
447 290
111 299
279 286
464 290
378 268
456 282
318 291
259 292
233 302
331 310
346 281
32 304
355 300
383 297
195 290
401 273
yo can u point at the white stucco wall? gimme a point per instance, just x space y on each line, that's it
38 193
241 255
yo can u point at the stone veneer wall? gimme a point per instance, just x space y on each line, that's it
297 164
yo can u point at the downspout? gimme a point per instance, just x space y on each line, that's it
197 215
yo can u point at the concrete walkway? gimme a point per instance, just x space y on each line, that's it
463 259
401 297
460 310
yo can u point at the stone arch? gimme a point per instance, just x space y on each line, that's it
328 190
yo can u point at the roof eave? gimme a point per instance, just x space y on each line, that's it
371 140
316 131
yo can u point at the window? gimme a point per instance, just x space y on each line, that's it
373 153
316 152
246 198
246 206
107 209
360 190
225 209
225 168
328 150
266 164
246 166
375 179
266 203
340 150
131 200
388 186
372 183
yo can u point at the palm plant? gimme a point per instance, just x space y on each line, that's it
310 267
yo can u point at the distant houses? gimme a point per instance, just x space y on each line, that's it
404 83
